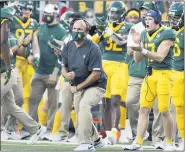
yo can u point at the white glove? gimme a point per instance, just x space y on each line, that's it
109 31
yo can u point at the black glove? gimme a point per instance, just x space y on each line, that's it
101 24
8 75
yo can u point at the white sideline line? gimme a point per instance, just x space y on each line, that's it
48 143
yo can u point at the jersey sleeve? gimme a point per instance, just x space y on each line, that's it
169 34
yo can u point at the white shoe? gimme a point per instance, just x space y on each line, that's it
169 147
134 146
46 136
14 136
73 139
4 136
99 144
34 138
85 147
57 137
109 141
123 138
181 146
159 145
146 136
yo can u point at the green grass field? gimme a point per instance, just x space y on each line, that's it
46 146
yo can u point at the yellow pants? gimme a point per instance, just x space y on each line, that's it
178 99
158 84
116 84
22 65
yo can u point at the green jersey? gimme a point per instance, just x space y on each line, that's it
48 60
12 41
152 42
21 29
111 50
178 51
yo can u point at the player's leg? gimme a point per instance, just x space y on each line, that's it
117 92
178 100
147 97
11 125
123 108
157 128
107 110
163 94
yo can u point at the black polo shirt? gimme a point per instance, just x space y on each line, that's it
83 60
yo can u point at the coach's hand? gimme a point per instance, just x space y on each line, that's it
52 79
70 75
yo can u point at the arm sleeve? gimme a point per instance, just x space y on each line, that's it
169 35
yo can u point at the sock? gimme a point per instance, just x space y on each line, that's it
139 140
180 120
123 116
168 141
56 125
116 133
73 117
42 113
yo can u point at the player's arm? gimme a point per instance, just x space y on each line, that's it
120 40
5 51
162 51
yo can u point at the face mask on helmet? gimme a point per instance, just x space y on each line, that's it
176 15
176 22
114 16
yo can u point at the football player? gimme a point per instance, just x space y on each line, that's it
156 45
114 48
22 27
176 18
6 18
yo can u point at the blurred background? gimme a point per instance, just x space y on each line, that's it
99 7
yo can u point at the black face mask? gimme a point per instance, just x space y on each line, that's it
48 18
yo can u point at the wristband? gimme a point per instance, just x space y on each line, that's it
144 51
37 55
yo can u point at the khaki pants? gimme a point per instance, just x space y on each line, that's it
132 102
39 84
83 102
8 104
67 102
11 124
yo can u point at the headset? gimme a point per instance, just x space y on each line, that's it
157 16
88 26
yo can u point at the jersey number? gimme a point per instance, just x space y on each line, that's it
177 50
112 46
151 47
22 33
